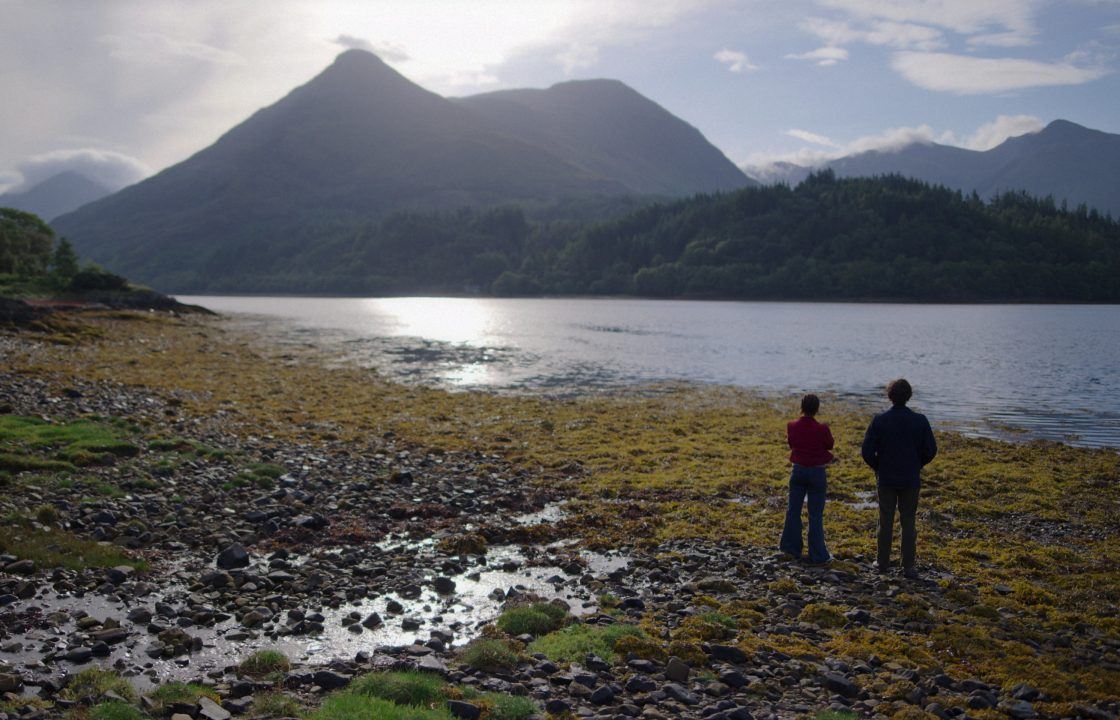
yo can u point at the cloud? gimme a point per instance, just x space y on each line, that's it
810 137
387 51
1006 39
991 134
887 33
106 167
823 56
150 47
965 75
985 137
962 16
735 61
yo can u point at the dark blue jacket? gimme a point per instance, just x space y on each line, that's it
897 444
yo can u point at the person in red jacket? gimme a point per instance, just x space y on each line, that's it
810 445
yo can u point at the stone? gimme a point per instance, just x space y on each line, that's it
234 556
680 694
733 678
839 684
10 683
1019 709
556 706
330 680
464 710
640 684
21 567
728 653
78 655
444 585
211 710
372 621
676 670
1023 691
120 574
602 695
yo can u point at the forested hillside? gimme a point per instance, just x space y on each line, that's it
859 239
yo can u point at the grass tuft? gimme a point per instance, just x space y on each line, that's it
488 655
536 619
575 642
403 688
57 548
265 663
276 705
90 685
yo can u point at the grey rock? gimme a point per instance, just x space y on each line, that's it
211 710
680 694
1019 709
234 556
21 567
464 710
676 670
728 653
839 684
330 680
10 682
601 695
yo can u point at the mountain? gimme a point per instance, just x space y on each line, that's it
56 195
614 131
359 141
1063 160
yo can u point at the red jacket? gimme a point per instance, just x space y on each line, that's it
810 442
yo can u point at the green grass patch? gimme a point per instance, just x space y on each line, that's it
169 444
264 663
115 710
499 706
350 706
276 705
574 642
536 619
403 688
267 470
488 655
81 442
57 548
90 685
18 462
835 715
203 450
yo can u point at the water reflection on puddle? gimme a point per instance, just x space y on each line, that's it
478 597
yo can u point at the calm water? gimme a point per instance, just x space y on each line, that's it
1050 371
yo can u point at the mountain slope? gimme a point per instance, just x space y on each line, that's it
610 129
354 143
1064 160
56 195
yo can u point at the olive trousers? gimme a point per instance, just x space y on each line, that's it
906 502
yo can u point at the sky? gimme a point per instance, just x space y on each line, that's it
122 89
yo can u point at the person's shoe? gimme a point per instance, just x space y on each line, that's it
816 563
880 568
911 573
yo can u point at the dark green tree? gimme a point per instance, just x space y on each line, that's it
64 261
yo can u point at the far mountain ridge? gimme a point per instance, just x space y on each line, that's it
360 140
1064 160
56 195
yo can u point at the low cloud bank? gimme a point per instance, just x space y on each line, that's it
112 169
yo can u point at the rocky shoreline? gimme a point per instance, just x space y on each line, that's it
357 556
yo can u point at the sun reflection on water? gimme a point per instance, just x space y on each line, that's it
452 320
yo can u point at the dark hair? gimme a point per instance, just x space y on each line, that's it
899 391
810 404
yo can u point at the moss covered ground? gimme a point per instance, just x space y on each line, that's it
1028 530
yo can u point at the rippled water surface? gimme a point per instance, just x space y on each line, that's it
1049 371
